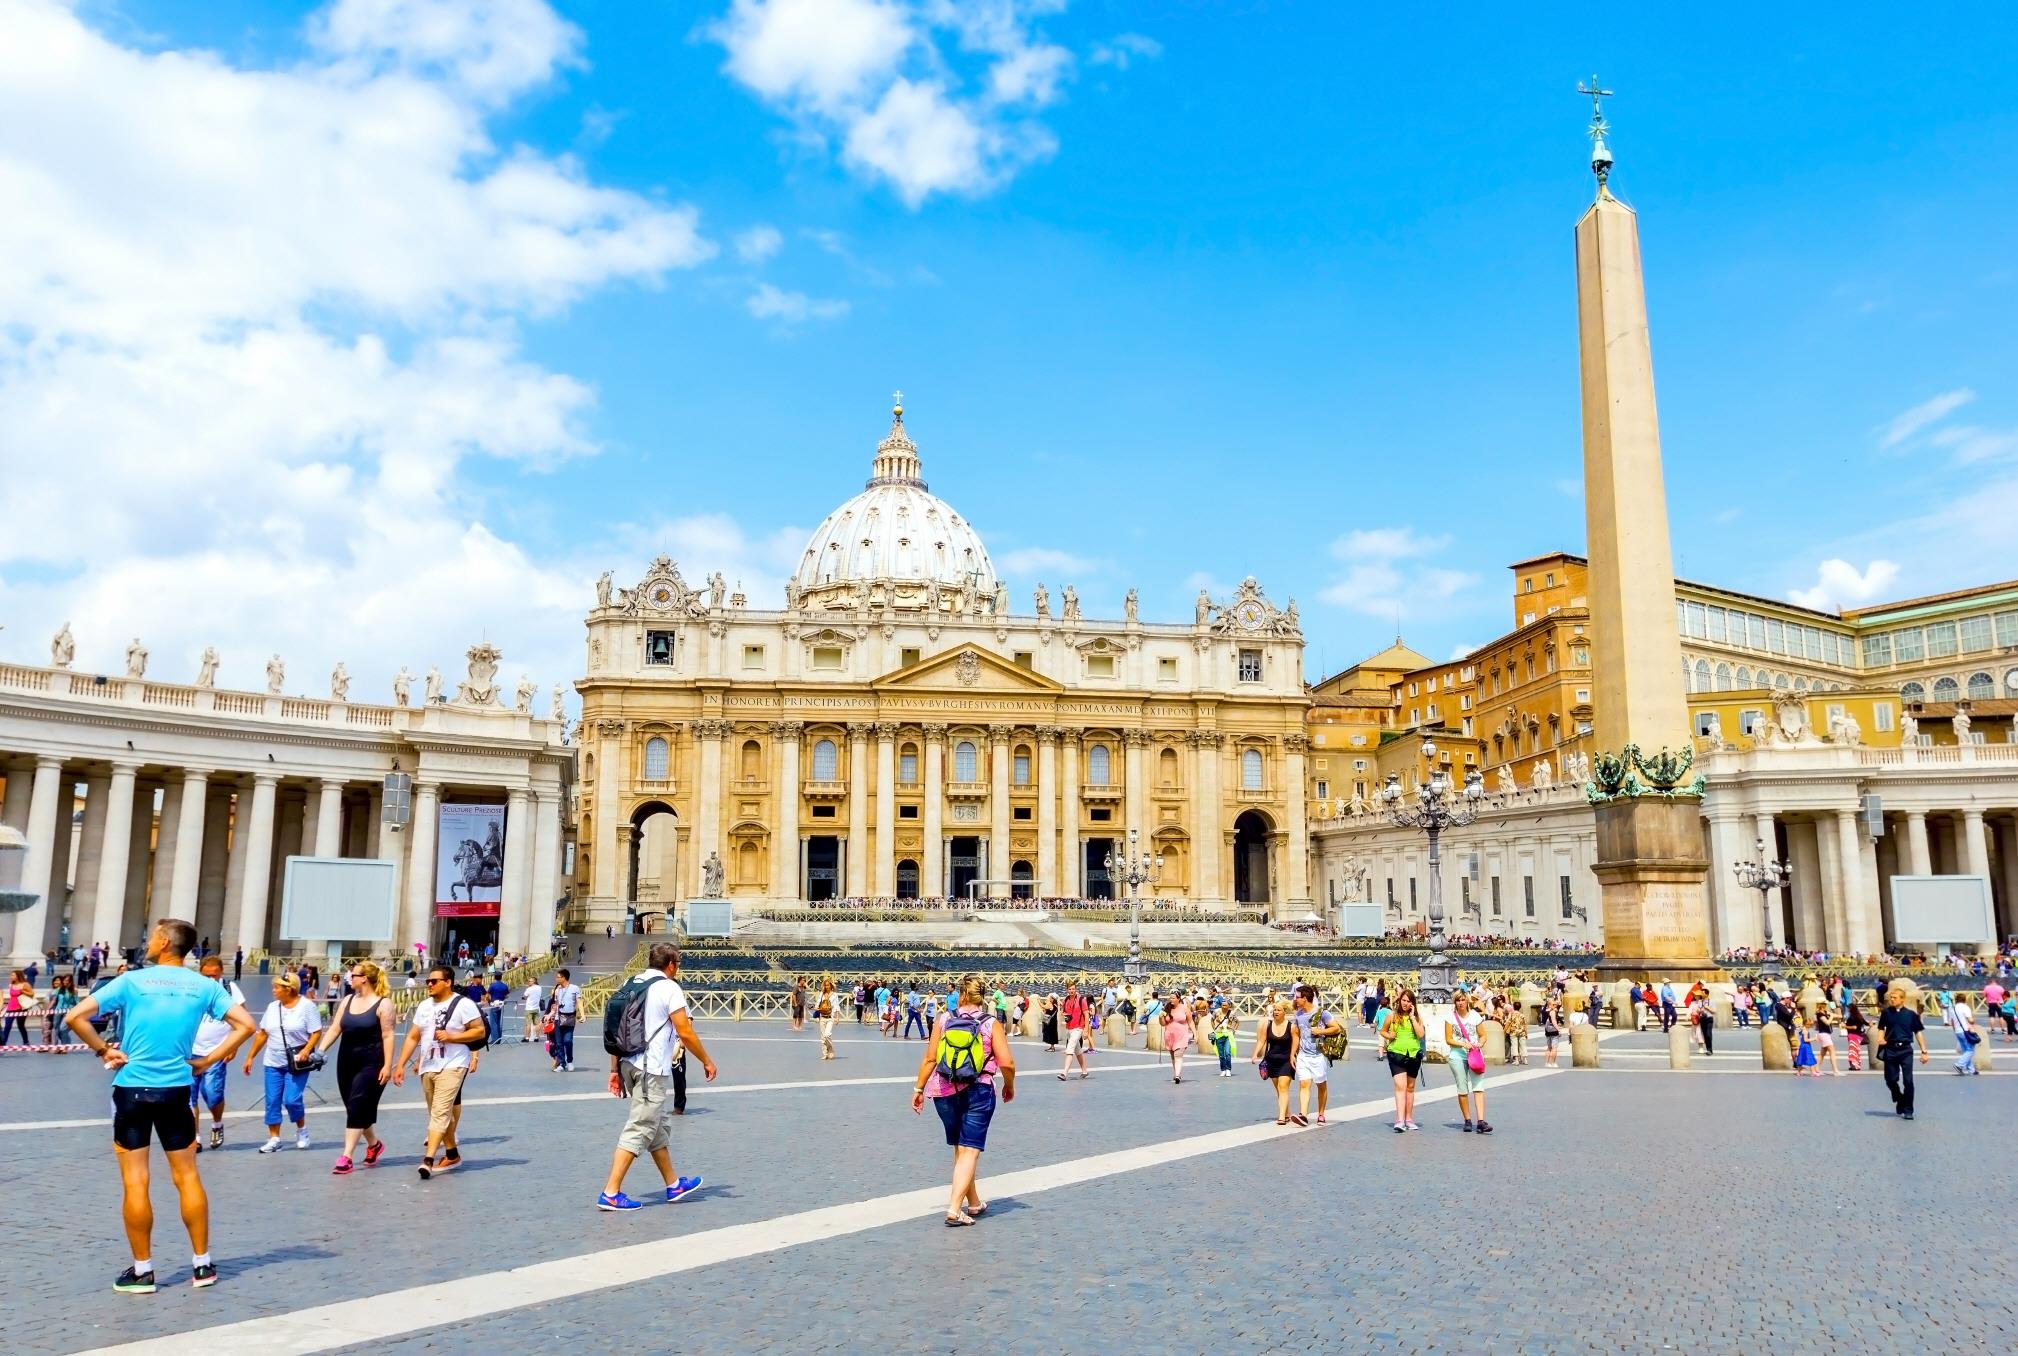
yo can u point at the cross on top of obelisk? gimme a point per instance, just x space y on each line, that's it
1601 154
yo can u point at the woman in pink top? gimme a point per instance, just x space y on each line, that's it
1177 1034
969 1047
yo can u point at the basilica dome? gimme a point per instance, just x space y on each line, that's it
895 544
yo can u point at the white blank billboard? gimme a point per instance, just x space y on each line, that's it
1929 910
338 898
1361 920
710 918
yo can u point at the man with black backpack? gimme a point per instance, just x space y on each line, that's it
646 1028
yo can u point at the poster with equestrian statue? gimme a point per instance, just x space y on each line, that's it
469 862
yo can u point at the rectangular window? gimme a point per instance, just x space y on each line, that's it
1704 721
1411 894
1166 669
1692 620
1567 905
1941 640
1495 896
1020 769
753 656
2007 628
1100 814
1716 621
1908 645
1776 635
1464 701
1250 666
823 812
1324 790
1019 812
1877 650
1099 666
1755 631
1390 890
907 812
1975 634
1881 715
1748 721
1528 894
1811 642
1467 725
659 647
1583 694
1024 659
907 656
1583 727
1464 891
826 656
907 768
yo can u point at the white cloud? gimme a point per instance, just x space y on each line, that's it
1027 562
1385 575
930 96
1383 542
792 308
758 243
1972 445
1729 515
196 451
1124 48
1839 584
1569 488
1927 412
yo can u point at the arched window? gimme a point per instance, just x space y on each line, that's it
753 761
826 762
1166 764
1688 677
1250 769
1019 766
1947 690
1913 692
1981 685
2011 682
907 764
966 762
1723 677
1800 685
1744 677
658 760
1098 772
1702 675
1780 681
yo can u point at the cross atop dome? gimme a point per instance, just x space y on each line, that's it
897 456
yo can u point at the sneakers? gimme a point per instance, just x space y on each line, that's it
373 1153
451 1156
203 1277
682 1188
133 1282
272 1145
301 1138
1485 1127
426 1168
217 1137
605 1201
1411 1125
1469 1127
1400 1126
341 1168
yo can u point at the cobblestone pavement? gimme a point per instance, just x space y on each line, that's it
1627 1209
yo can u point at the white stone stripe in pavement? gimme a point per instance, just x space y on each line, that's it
378 1318
695 1088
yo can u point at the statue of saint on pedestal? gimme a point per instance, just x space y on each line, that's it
276 674
1043 599
206 669
339 683
712 876
402 686
136 659
1131 603
62 648
559 712
433 688
527 690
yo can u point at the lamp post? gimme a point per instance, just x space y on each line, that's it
1134 868
1765 877
1438 806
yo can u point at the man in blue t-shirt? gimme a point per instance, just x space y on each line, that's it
160 1009
497 991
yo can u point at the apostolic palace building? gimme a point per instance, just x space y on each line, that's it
898 730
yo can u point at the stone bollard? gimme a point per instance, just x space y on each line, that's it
1583 1046
1115 1030
1154 1027
1678 1046
1492 1039
1720 1008
1033 1023
1774 1051
1984 1059
1621 1004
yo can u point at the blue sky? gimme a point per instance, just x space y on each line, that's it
1177 293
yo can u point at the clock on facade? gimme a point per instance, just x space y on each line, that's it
1249 614
661 596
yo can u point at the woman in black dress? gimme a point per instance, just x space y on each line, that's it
1275 1053
1050 1022
363 1029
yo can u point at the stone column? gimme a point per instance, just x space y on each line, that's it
1919 855
1135 788
1831 920
708 795
213 873
62 874
14 811
189 845
416 919
1205 830
162 874
1296 862
109 908
37 870
1766 829
1734 912
511 917
786 884
932 866
998 806
91 842
546 862
254 849
886 809
858 809
1975 855
1047 811
326 839
387 846
1861 923
1806 882
1071 875
604 867
2007 857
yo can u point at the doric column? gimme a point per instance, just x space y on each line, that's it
1205 830
213 871
511 915
604 869
91 842
161 873
20 776
1975 857
254 845
326 837
1861 923
1733 911
1047 811
1071 876
998 807
708 795
188 830
1135 797
886 809
109 908
1296 888
2007 857
545 885
786 882
38 867
858 809
932 874
1919 853
1766 829
416 921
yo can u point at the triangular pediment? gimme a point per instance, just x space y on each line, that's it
966 668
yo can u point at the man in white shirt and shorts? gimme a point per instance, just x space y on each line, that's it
445 1025
534 995
646 1079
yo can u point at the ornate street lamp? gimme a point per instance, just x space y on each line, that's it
1438 806
1134 869
1765 877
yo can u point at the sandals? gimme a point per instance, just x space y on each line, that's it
1061 1078
959 1221
976 1211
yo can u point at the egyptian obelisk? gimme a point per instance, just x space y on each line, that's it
1650 857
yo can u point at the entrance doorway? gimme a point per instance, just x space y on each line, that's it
964 861
907 879
655 842
1023 881
823 867
1250 858
1098 884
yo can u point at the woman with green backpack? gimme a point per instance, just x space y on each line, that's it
968 1048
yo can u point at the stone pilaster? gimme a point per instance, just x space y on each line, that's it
786 883
932 875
